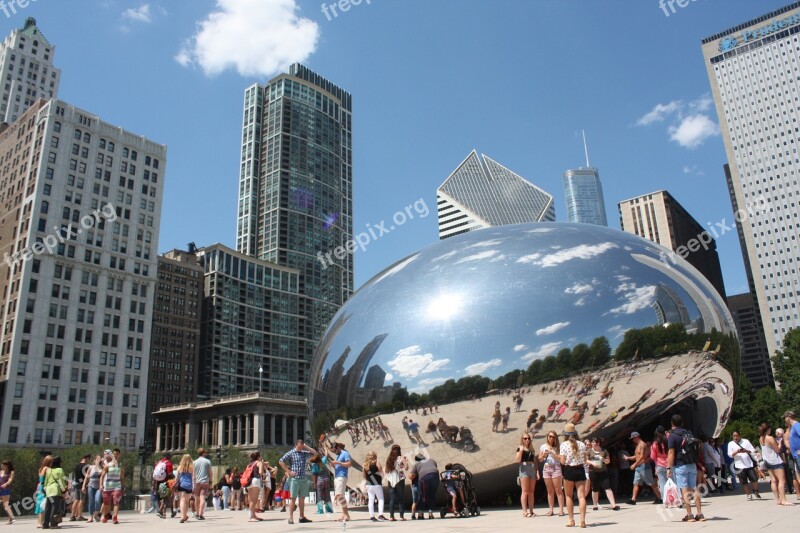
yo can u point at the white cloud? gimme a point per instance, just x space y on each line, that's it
410 363
637 298
431 382
486 244
702 104
581 288
480 368
520 347
693 131
448 255
389 377
140 14
580 302
582 251
545 350
549 330
486 254
617 331
253 37
660 112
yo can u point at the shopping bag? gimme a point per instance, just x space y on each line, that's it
672 495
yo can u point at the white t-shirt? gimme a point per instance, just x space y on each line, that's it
571 459
550 460
741 460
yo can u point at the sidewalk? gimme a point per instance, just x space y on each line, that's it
731 512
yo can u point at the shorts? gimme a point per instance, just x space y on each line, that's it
552 471
686 476
748 475
778 466
200 490
527 471
415 495
575 474
5 492
643 475
77 494
285 494
600 481
256 482
112 497
298 488
340 486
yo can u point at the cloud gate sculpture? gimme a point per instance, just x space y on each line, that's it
546 323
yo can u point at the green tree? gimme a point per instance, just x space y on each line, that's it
601 351
786 363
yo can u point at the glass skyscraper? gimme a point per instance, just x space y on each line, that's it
482 193
295 189
584 195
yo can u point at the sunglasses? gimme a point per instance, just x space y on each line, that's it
525 438
552 436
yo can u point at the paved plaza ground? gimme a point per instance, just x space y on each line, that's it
728 513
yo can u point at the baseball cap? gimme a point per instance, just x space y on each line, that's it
107 452
635 435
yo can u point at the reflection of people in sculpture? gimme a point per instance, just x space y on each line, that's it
561 410
405 426
432 429
506 416
532 418
551 409
413 428
496 417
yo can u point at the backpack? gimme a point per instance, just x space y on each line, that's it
160 471
689 451
163 490
236 483
247 475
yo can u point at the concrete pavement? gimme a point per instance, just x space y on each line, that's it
731 512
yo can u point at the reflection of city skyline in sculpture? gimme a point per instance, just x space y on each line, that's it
489 306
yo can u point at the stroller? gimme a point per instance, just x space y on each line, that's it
457 478
467 441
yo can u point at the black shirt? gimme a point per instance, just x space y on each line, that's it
674 443
79 473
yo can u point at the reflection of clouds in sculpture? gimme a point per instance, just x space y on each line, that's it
582 251
636 298
480 256
442 257
396 268
552 328
617 331
581 288
432 382
540 230
542 352
480 368
410 363
389 377
486 244
520 347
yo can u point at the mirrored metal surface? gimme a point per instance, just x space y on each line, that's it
545 319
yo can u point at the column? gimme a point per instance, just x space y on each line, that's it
230 430
158 438
247 439
258 427
272 430
283 434
220 429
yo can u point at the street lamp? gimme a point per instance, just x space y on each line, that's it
260 375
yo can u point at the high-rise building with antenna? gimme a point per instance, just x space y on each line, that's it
584 193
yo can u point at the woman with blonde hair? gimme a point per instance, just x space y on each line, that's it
551 472
40 497
573 459
184 485
256 467
527 473
774 463
373 473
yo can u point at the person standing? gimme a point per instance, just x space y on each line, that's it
373 474
774 464
321 482
599 459
112 480
684 469
506 417
6 480
792 436
78 476
551 472
792 484
293 463
527 472
201 482
253 484
573 459
91 489
341 465
236 490
396 469
184 485
40 497
225 487
741 451
658 455
55 483
711 464
426 472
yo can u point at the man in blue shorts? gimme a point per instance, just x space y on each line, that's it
684 472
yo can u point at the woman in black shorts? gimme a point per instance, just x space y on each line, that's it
573 458
598 473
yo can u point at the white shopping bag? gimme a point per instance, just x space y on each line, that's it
672 495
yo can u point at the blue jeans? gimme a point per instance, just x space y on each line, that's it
428 486
93 497
661 472
397 494
226 496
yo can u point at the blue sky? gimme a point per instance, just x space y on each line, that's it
431 80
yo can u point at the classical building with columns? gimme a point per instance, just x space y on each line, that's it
249 421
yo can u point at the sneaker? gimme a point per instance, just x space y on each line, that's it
381 518
700 518
104 520
304 520
615 508
373 518
658 501
688 518
413 517
758 495
115 519
421 517
200 517
291 521
631 502
283 510
749 497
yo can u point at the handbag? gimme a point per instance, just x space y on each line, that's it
393 478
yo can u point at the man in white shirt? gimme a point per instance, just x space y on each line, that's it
712 464
741 451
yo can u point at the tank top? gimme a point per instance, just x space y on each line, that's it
94 478
769 455
373 476
527 456
3 479
113 478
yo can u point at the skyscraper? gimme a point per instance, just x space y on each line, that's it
80 205
27 71
754 71
755 364
660 218
583 193
296 188
482 193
